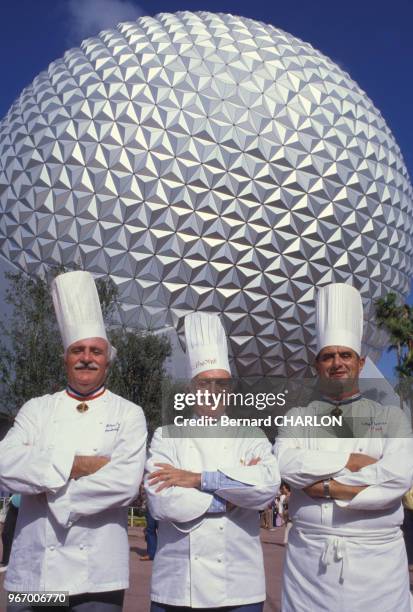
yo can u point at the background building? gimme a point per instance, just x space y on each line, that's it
208 162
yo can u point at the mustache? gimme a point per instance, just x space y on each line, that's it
86 366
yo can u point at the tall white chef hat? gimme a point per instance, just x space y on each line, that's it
206 343
339 317
77 308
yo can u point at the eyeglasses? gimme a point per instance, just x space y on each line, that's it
219 384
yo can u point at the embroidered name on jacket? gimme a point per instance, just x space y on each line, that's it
376 426
112 427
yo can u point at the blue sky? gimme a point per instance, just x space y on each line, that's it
371 40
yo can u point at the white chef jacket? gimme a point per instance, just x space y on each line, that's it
71 535
211 560
357 543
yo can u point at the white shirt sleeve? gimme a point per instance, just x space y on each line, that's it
263 478
390 477
175 504
25 466
301 466
115 484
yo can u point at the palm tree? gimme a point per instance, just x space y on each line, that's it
397 320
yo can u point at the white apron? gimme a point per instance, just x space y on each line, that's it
347 555
327 571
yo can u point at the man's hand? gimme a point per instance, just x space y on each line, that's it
356 461
84 465
315 490
254 461
170 476
345 492
337 490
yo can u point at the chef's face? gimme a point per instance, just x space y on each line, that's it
214 381
87 363
340 367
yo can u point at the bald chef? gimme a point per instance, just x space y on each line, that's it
77 457
345 550
206 493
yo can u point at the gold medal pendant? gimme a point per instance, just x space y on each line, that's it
337 412
82 407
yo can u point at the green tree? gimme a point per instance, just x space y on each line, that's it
30 347
397 320
138 373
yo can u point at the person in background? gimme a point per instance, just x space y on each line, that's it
9 527
151 528
408 526
151 537
285 493
267 518
279 520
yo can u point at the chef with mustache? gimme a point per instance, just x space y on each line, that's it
77 458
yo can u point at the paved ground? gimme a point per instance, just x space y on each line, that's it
137 597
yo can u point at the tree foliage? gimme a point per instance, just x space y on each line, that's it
137 373
30 347
397 319
31 352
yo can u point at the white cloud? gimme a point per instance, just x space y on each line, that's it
89 17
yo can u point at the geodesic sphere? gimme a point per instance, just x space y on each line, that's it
208 162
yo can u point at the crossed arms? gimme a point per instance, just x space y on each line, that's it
179 495
338 490
358 481
74 486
